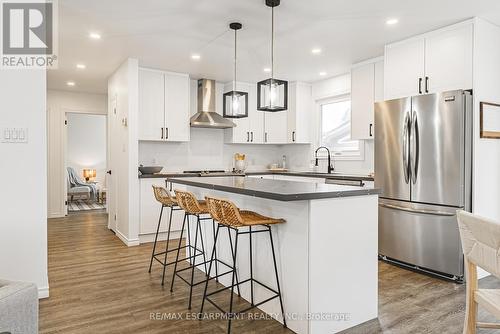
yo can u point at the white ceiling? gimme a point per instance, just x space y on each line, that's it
164 33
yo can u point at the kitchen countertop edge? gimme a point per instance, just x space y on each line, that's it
275 196
303 174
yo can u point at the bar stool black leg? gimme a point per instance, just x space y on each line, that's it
232 251
178 251
156 239
216 264
202 246
277 278
166 248
232 282
209 269
194 261
188 240
251 267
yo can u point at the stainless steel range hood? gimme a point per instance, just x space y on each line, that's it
206 117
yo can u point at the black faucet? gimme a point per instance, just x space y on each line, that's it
330 167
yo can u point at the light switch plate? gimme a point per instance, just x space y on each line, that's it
14 135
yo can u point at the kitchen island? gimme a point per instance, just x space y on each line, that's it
326 251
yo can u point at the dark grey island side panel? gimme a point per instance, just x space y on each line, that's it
280 190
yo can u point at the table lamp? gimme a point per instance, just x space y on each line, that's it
88 174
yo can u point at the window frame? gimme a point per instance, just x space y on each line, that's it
338 155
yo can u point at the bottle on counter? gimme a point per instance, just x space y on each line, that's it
283 162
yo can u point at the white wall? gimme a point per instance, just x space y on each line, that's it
86 144
123 185
23 198
486 166
58 104
338 86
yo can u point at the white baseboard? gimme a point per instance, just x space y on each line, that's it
43 292
126 241
162 236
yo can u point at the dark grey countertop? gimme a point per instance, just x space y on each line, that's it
341 176
274 189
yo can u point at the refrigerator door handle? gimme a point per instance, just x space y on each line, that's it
415 148
405 147
425 212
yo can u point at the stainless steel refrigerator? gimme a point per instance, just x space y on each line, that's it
423 166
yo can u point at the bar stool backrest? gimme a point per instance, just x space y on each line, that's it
188 202
231 214
214 208
163 196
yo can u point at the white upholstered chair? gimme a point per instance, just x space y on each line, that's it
481 246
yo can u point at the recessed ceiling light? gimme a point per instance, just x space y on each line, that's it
80 66
195 57
94 35
391 21
70 83
316 51
267 70
322 73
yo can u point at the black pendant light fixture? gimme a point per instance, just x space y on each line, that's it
272 94
235 102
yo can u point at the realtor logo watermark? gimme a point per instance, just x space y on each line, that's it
29 34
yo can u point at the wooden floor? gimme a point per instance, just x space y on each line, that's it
98 285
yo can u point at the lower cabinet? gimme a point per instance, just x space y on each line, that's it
150 208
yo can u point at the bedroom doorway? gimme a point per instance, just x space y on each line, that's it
85 161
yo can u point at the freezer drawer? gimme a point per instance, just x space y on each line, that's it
422 235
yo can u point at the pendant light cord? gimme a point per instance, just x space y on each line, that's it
272 42
235 48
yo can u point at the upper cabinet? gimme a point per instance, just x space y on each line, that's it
404 68
437 61
299 113
366 88
163 106
248 130
275 127
284 127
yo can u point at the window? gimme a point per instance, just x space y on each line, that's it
335 115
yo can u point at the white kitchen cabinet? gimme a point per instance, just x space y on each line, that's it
437 61
248 129
404 68
299 112
151 105
275 127
448 60
177 107
163 106
150 208
366 89
379 81
299 178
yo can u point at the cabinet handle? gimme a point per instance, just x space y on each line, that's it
265 137
420 85
252 136
248 136
293 136
166 133
161 133
371 128
427 84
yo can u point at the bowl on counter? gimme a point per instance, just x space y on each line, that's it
148 170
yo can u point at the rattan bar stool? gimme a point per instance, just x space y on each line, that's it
166 200
242 222
199 210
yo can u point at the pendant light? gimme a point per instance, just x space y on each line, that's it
272 94
235 102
